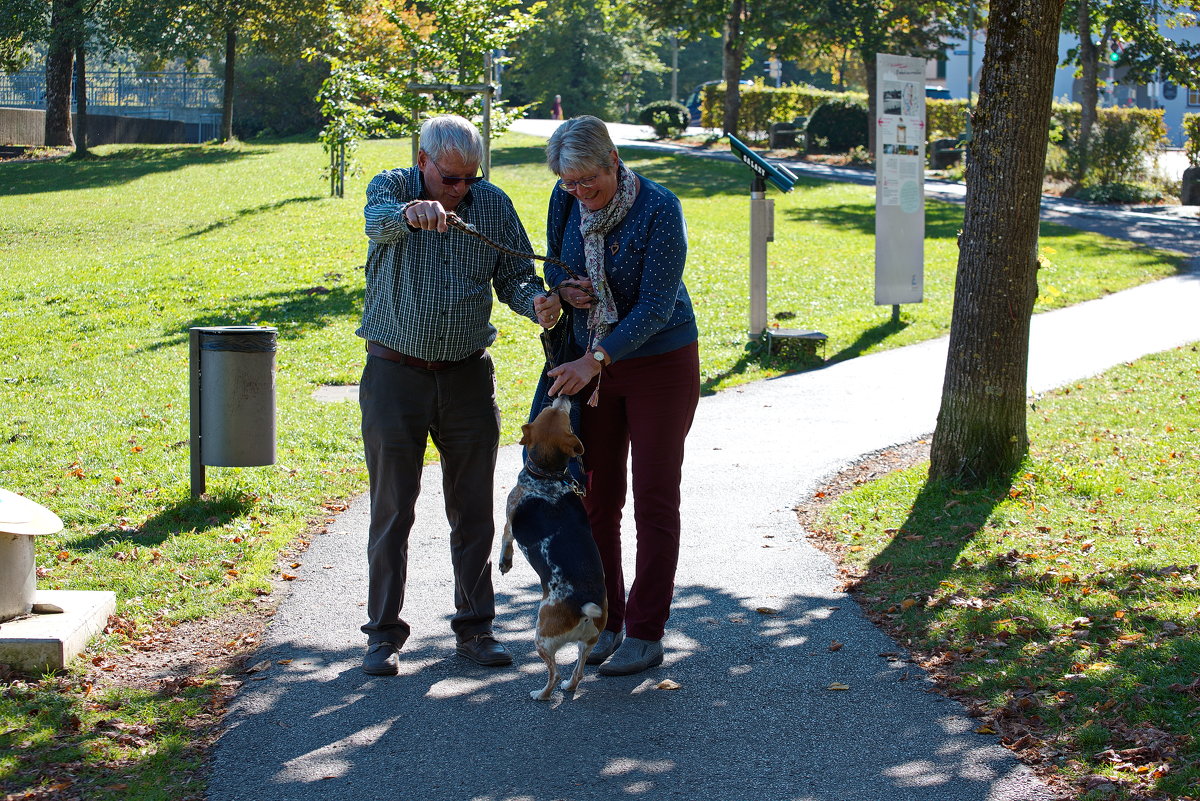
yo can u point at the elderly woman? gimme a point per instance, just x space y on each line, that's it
640 372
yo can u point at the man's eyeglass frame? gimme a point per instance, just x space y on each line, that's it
451 180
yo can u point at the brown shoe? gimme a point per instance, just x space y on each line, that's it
483 649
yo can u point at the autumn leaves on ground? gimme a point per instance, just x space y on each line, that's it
1063 610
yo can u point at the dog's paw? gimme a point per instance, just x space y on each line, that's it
541 695
505 566
568 685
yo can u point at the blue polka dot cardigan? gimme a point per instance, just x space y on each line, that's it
644 257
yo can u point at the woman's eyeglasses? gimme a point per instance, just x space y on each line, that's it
451 180
582 183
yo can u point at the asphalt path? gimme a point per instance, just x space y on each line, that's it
752 718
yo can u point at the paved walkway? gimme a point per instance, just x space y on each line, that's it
752 720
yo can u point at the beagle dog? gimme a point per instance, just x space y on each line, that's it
546 518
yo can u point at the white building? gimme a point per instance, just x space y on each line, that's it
1175 100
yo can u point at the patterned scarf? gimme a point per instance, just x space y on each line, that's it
594 226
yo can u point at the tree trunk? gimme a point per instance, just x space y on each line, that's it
227 93
59 55
1089 61
981 435
735 52
869 59
81 116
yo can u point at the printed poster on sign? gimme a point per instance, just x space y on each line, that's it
899 179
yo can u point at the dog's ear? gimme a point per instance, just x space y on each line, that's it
576 446
524 434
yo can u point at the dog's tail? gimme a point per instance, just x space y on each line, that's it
592 610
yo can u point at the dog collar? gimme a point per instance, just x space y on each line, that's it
547 475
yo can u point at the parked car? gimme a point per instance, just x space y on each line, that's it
937 93
696 98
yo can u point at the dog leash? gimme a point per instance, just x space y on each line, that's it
454 221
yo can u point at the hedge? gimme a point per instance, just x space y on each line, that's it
763 105
1191 129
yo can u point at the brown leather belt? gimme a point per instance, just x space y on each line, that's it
384 352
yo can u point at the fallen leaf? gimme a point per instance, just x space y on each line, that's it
667 684
838 686
835 645
288 577
259 666
985 729
766 610
907 603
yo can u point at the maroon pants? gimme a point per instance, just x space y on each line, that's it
646 406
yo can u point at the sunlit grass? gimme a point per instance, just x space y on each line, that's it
1068 603
109 262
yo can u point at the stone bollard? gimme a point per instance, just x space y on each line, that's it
20 521
1189 195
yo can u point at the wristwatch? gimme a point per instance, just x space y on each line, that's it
598 355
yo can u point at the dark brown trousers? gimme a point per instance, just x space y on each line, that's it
402 406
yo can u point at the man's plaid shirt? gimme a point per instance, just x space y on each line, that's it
427 293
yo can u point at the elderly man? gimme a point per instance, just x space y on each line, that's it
429 374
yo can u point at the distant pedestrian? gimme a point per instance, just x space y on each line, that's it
429 374
556 109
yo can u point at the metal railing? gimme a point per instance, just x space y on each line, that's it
130 92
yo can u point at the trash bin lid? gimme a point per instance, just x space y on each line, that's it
19 515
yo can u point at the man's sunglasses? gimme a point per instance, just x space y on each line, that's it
451 180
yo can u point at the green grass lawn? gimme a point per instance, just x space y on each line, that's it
108 262
1067 605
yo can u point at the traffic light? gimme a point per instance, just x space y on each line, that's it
1115 49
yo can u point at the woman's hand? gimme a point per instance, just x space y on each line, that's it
427 215
576 293
571 377
547 308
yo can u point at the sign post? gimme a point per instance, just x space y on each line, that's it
899 181
762 231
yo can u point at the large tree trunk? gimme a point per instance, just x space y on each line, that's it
981 434
59 56
81 116
227 93
735 52
869 60
1089 61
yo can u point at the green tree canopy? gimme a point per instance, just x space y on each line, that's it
597 55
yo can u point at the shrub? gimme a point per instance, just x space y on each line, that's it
1191 129
839 125
667 117
762 105
1122 139
945 119
1119 193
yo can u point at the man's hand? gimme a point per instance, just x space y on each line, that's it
547 308
427 215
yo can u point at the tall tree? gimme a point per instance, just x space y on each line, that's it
1126 34
981 431
743 24
594 54
869 27
223 26
68 21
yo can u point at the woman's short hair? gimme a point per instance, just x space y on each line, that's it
580 143
451 133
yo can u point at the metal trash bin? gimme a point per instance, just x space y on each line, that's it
787 135
235 381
